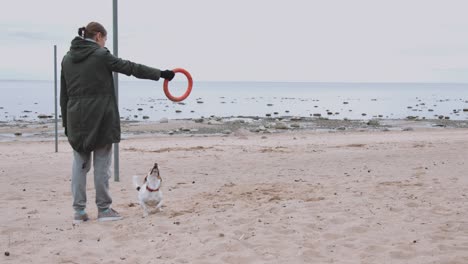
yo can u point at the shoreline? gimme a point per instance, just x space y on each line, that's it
45 129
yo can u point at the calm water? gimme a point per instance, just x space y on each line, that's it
25 100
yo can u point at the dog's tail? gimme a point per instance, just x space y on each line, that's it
135 182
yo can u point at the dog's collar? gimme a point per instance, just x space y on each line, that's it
148 188
151 190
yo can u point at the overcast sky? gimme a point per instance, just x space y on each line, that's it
252 40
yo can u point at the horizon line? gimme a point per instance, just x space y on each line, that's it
266 81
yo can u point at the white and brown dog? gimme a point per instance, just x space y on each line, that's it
149 194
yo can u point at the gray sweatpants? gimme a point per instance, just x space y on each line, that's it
102 159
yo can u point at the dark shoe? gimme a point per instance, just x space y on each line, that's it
109 215
80 217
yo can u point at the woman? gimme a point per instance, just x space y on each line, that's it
90 113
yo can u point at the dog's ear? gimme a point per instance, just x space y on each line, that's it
155 165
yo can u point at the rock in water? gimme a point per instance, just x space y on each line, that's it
281 125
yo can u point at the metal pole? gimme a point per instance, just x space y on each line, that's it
55 93
116 83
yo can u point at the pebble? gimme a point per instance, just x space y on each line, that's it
281 125
214 122
373 122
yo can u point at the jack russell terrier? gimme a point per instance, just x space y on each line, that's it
149 194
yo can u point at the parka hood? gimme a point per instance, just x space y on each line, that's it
81 49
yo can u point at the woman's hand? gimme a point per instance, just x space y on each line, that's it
167 74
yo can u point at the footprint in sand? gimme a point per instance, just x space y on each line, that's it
357 229
402 255
419 174
14 198
331 236
311 255
440 210
454 179
451 248
412 204
338 221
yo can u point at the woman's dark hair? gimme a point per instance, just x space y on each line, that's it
91 30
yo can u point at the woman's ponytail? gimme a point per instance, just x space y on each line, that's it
82 32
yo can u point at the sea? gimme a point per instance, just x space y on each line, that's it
145 100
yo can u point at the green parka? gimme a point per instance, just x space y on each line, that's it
88 103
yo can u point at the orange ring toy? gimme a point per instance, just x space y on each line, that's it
189 87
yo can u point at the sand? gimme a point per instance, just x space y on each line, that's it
303 196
